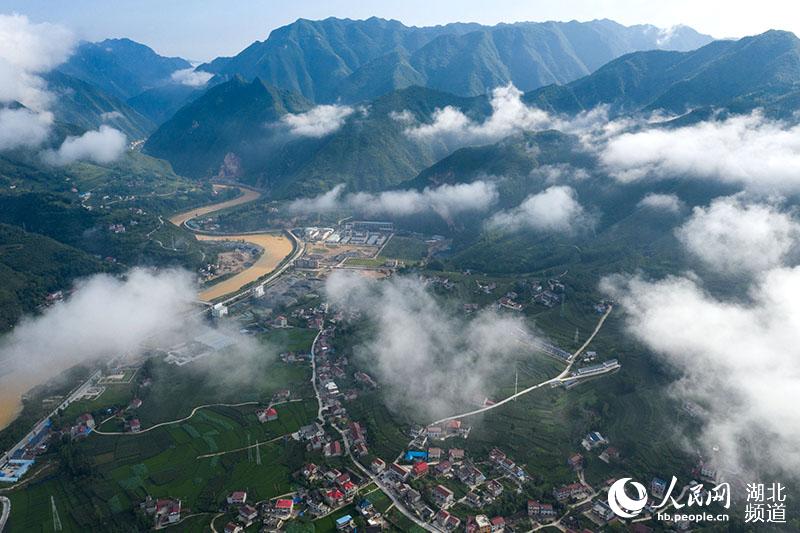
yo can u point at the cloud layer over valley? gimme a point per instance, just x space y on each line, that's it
430 360
445 200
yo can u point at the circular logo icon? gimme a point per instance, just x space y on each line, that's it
623 505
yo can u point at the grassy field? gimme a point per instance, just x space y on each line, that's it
166 463
114 473
405 249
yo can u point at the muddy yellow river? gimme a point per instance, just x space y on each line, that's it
275 246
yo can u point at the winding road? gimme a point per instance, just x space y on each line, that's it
6 511
558 379
184 419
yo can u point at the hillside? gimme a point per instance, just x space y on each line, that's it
758 70
84 105
369 152
230 117
359 60
33 265
121 67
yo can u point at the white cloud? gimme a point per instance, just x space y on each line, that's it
109 317
733 237
430 361
662 202
745 150
27 50
103 145
110 115
445 200
191 77
23 128
509 115
740 362
320 121
556 209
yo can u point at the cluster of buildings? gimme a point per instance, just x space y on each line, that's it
548 293
164 511
451 428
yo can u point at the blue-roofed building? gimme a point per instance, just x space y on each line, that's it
344 522
415 455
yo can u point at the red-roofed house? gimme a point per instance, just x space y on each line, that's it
233 527
334 497
267 415
349 488
135 425
283 508
498 524
167 511
419 469
237 498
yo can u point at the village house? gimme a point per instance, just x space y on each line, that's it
398 472
470 475
434 454
473 499
283 508
540 511
247 513
167 512
610 454
494 488
233 527
575 461
334 497
447 521
135 425
456 454
498 524
238 497
419 469
443 468
344 523
267 415
442 495
479 524
573 490
593 440
310 471
378 465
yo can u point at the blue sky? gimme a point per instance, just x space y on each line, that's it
204 29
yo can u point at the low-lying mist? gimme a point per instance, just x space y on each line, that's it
431 361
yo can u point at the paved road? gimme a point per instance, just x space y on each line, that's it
6 511
558 379
184 419
320 418
375 479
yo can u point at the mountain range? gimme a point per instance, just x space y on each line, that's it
356 60
372 150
